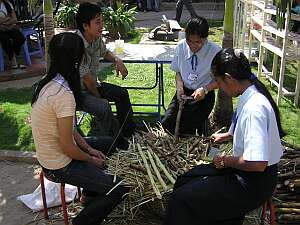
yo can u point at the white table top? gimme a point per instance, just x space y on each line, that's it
145 53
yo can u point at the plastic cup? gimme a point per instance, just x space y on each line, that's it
181 35
119 46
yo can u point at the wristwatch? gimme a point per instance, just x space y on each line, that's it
205 89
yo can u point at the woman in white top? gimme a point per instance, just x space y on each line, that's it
11 38
63 154
224 191
192 66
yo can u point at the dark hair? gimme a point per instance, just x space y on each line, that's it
197 26
235 63
86 12
8 7
66 51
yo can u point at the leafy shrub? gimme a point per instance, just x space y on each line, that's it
119 20
66 15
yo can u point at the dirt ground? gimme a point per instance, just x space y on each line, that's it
17 178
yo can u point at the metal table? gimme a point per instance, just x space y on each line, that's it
150 54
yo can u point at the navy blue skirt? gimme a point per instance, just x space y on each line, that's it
209 196
194 113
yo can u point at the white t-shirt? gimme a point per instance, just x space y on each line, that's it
3 10
198 76
256 135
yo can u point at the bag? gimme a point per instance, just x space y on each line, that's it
52 190
162 34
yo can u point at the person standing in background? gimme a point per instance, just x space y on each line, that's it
189 7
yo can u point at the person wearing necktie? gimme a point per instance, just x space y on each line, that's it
221 193
191 64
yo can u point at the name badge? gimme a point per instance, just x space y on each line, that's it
192 77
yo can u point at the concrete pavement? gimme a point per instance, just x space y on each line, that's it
17 177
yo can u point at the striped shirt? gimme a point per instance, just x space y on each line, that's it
54 101
94 51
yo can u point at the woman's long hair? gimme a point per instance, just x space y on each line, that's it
236 64
66 51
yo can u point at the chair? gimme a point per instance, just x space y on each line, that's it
62 196
30 32
268 205
1 60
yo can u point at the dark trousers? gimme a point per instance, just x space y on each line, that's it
95 182
193 115
100 108
11 42
209 196
103 143
189 7
120 96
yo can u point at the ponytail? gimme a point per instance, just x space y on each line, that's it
264 91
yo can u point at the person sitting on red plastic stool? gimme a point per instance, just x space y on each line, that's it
221 193
63 154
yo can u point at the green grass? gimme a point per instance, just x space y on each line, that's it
15 132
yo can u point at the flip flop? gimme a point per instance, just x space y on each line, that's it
22 66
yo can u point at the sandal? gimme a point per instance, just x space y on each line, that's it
21 66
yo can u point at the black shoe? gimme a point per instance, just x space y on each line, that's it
122 143
129 130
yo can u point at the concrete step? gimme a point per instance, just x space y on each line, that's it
203 6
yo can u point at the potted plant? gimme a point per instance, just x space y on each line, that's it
66 15
119 21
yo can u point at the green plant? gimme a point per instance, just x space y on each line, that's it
283 7
66 15
119 20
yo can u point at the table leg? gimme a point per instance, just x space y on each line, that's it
162 86
158 76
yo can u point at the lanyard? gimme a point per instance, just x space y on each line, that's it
194 62
234 121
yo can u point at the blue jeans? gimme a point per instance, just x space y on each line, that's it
96 183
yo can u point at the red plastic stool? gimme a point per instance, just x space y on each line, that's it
268 205
62 196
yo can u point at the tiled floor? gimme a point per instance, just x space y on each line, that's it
36 69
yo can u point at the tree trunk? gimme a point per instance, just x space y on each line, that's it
48 26
223 109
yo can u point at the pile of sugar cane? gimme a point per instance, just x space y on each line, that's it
287 197
152 163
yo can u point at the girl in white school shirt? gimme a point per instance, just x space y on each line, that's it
192 66
224 191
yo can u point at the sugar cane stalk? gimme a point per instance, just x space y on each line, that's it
178 118
163 184
155 189
160 164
